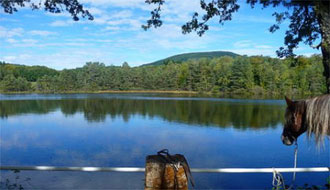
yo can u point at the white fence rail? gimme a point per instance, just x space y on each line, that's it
136 169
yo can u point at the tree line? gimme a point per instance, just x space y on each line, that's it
237 75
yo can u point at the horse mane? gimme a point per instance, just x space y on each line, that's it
318 117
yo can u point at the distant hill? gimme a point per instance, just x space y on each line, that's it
30 73
195 55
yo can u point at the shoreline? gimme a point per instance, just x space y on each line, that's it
107 91
175 92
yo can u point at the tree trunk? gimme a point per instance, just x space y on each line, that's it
323 16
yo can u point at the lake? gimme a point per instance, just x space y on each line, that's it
112 130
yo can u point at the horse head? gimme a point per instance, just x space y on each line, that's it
294 121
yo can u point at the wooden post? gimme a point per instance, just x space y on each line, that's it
161 175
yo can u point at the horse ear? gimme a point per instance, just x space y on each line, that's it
288 102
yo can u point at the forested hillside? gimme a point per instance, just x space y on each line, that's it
241 74
192 56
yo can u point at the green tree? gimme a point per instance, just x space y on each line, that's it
112 80
309 20
47 84
242 74
75 8
67 80
223 72
92 75
242 77
182 77
206 76
282 79
10 83
2 70
125 77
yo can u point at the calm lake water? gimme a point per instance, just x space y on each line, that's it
109 130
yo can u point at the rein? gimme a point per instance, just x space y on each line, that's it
278 180
295 164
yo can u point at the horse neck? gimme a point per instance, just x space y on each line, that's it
302 108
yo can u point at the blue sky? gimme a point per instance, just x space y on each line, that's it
55 40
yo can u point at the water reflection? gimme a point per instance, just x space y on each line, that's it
114 131
222 114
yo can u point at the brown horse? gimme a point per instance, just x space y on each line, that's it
311 115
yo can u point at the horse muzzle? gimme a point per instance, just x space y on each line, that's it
287 140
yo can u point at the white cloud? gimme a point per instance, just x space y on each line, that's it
248 47
114 19
124 24
172 12
41 33
254 19
33 43
167 31
60 23
254 51
68 58
180 11
24 43
11 40
9 58
8 33
89 41
77 40
112 28
8 19
24 56
246 44
102 17
100 20
95 11
168 37
122 14
243 44
115 3
31 16
264 46
62 14
29 41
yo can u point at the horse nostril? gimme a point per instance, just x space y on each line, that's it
284 138
287 141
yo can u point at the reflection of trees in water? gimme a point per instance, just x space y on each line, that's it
15 182
218 113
